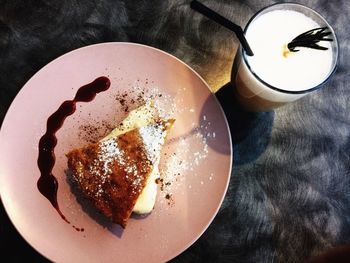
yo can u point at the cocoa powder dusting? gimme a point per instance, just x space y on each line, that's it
128 100
92 132
163 185
170 200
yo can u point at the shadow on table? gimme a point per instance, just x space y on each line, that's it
250 131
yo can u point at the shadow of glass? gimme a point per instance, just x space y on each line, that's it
250 131
212 127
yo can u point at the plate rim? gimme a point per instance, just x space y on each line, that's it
11 107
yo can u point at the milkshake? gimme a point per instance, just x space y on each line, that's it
275 75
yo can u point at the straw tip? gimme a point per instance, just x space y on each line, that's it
249 52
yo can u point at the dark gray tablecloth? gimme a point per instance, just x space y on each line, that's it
289 195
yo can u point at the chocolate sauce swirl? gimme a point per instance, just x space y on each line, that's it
47 183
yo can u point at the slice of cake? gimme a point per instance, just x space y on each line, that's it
142 116
118 173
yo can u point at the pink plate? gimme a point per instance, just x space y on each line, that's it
195 162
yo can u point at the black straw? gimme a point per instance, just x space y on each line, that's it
224 22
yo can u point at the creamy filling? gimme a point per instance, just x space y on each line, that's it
147 198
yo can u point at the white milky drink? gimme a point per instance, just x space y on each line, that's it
275 75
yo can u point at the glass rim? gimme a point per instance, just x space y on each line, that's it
335 41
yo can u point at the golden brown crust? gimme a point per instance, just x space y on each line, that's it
113 173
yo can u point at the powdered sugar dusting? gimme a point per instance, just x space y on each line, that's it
109 152
153 138
184 160
181 159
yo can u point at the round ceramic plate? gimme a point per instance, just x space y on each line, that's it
195 162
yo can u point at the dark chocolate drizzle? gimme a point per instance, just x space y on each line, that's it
47 183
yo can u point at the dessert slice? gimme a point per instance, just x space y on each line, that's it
142 116
118 173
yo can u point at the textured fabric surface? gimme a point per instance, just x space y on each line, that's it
289 194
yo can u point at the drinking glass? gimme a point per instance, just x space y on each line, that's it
256 94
